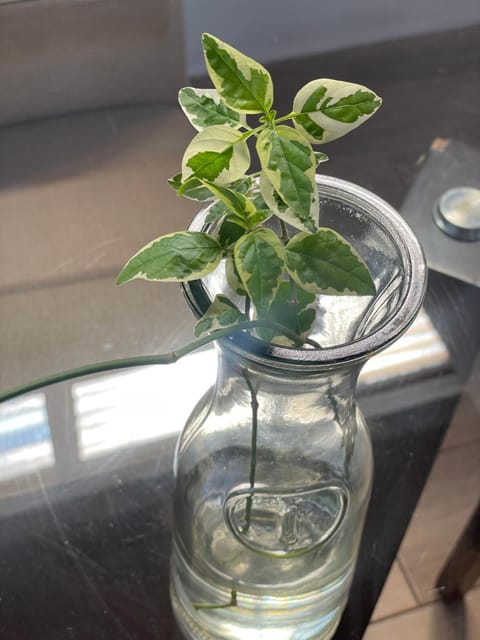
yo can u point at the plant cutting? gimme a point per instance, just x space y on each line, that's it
276 272
298 278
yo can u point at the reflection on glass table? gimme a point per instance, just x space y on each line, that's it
111 411
25 439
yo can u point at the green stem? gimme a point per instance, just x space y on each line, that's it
290 116
294 299
253 452
283 227
293 286
162 358
249 133
247 306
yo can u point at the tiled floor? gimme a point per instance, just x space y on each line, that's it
410 607
435 621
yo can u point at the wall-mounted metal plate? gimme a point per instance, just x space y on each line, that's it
448 186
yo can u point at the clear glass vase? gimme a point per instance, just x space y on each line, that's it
274 467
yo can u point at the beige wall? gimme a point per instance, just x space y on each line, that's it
58 56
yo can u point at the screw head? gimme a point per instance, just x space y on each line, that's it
457 213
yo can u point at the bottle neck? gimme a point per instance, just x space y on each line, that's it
330 388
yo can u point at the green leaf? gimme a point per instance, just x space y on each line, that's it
233 279
233 200
216 154
230 231
259 217
331 108
204 108
216 211
280 209
210 164
242 185
326 263
257 198
352 107
293 308
221 313
289 164
244 84
219 209
310 129
192 189
259 262
176 257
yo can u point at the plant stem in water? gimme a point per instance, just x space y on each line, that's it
205 605
253 453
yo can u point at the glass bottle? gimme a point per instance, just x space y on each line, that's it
274 467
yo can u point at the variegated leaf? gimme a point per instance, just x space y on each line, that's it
292 308
244 84
259 217
280 209
219 209
176 257
259 262
204 108
289 164
216 211
217 155
331 108
220 314
233 279
326 263
236 202
194 189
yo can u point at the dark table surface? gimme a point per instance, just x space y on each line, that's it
85 515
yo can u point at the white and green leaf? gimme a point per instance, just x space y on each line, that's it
176 257
216 154
204 108
192 189
235 201
280 209
259 217
233 279
259 262
324 262
289 164
331 108
243 185
293 308
243 83
220 314
218 209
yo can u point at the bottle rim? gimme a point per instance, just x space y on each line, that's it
358 350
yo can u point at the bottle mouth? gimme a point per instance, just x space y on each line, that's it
348 328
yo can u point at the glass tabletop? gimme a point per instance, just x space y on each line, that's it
86 485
